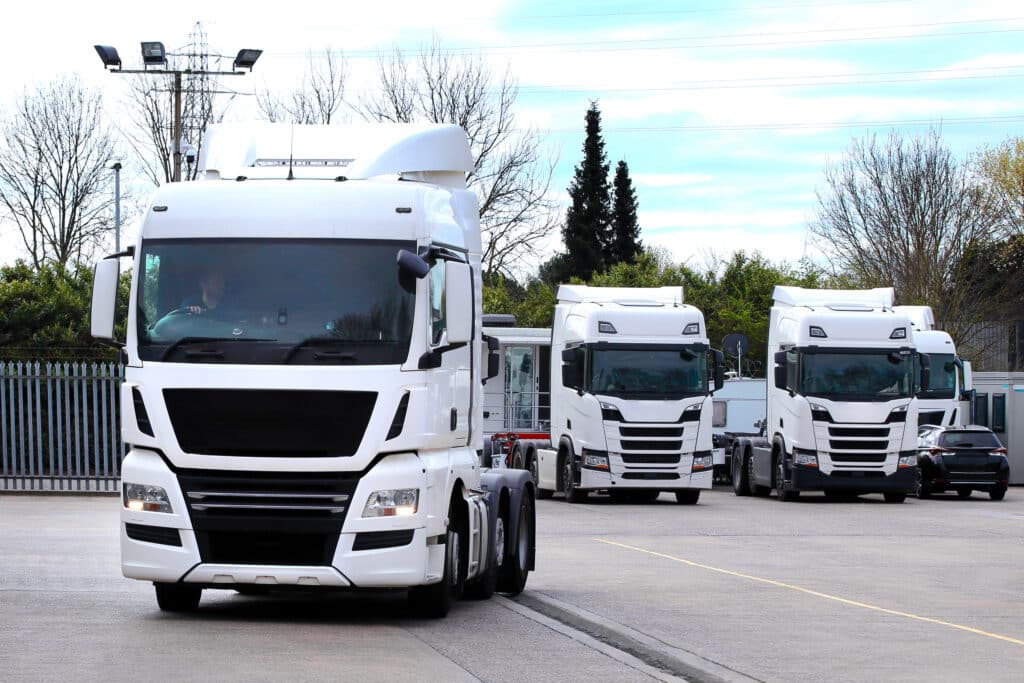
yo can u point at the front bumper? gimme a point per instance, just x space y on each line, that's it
811 479
669 479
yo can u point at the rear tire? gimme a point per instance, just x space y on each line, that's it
997 493
177 597
894 496
964 494
572 494
687 496
740 480
516 567
755 490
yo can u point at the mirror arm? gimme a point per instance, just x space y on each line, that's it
432 359
129 251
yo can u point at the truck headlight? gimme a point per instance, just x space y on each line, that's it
908 459
595 460
805 457
146 498
392 503
702 461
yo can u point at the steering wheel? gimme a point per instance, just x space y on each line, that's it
172 323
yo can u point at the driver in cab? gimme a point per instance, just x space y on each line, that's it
211 285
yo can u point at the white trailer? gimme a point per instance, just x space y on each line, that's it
739 408
951 377
841 408
302 395
630 401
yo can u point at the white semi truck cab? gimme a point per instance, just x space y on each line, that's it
631 377
951 377
841 411
303 368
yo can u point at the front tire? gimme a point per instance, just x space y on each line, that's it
516 567
894 496
784 495
177 597
435 600
572 494
997 493
740 480
687 496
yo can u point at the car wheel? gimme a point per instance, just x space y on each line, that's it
781 492
964 494
894 496
740 482
998 493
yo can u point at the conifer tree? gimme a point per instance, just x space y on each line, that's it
587 229
625 245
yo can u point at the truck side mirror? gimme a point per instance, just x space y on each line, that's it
719 368
104 300
493 359
458 305
968 381
926 372
780 370
412 264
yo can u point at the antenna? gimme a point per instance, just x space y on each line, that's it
291 153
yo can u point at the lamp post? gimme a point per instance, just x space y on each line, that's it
154 55
116 167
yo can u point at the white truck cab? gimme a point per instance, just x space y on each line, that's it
951 377
630 395
303 367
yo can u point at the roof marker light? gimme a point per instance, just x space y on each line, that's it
816 331
692 328
606 327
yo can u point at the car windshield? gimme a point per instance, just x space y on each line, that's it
969 439
942 382
273 301
649 372
856 376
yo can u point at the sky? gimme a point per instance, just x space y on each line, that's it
726 112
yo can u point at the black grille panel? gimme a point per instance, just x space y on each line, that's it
651 431
267 517
375 540
650 475
652 445
287 423
651 459
861 432
852 445
929 417
153 534
857 457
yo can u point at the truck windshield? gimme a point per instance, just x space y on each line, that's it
942 383
273 301
857 376
662 372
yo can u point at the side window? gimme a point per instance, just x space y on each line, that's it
719 413
792 379
998 413
437 320
151 288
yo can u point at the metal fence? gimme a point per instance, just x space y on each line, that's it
59 426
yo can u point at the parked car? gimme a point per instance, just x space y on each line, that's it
961 459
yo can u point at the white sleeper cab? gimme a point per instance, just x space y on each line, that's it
303 368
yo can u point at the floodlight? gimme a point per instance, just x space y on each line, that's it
108 55
153 53
246 58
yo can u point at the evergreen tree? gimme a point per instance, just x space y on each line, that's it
625 244
587 229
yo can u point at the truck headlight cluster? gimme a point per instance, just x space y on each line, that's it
908 459
392 503
595 460
805 457
146 498
702 461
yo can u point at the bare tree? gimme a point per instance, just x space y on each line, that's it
904 212
511 176
55 146
1003 168
318 97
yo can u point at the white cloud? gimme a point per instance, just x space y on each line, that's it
661 180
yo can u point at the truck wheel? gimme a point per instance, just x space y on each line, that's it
177 597
483 587
894 496
532 467
781 492
687 496
516 567
740 482
964 493
755 490
434 601
923 490
572 494
517 458
998 493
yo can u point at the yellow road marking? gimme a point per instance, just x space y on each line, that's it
808 591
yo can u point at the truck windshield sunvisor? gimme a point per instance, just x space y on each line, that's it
856 375
288 298
649 371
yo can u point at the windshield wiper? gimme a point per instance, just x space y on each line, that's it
199 340
321 340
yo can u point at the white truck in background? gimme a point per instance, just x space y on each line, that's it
841 413
738 411
630 395
303 368
951 378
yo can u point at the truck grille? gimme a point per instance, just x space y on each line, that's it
857 457
859 432
652 445
850 444
267 517
651 458
286 423
651 431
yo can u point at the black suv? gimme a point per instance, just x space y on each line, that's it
961 459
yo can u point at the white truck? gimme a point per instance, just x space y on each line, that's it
303 368
630 395
841 412
951 377
738 410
